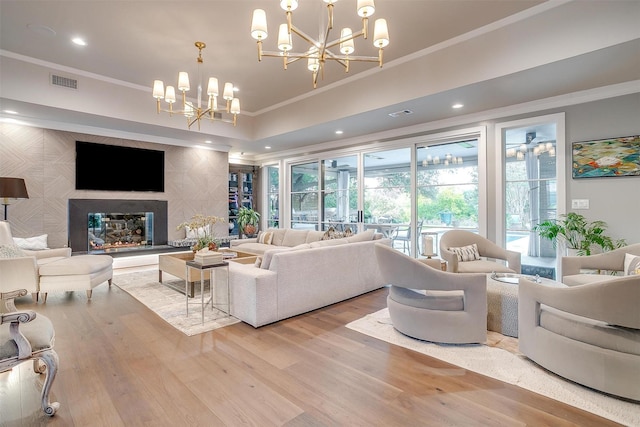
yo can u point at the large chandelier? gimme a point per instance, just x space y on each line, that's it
195 112
319 51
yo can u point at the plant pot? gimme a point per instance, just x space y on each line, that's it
250 230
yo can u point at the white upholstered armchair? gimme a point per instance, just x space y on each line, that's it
611 261
433 305
486 249
21 272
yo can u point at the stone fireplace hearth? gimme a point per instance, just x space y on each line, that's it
116 226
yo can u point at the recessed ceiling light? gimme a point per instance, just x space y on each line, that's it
79 41
208 141
267 147
339 132
10 112
458 105
235 89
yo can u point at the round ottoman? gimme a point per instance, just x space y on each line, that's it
76 273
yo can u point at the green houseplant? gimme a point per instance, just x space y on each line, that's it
575 232
248 221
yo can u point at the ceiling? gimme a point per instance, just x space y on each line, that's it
129 44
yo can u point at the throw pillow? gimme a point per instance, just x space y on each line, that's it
258 262
11 251
32 243
332 233
466 253
631 264
265 237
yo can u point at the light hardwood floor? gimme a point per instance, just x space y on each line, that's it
121 365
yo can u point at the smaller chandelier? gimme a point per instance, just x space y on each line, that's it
195 112
319 51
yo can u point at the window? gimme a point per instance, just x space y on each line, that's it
273 196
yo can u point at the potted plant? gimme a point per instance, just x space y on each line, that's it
248 221
575 232
203 227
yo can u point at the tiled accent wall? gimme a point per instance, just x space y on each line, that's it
195 180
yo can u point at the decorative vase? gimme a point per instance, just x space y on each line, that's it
250 230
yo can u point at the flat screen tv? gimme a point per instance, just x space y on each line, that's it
115 168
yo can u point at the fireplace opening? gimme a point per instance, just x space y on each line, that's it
118 226
119 231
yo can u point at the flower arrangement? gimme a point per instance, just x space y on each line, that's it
203 227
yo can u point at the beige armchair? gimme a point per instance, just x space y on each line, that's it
589 333
486 249
22 272
433 305
609 261
26 336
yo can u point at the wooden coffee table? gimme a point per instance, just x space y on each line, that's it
175 264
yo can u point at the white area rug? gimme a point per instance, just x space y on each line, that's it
170 304
504 366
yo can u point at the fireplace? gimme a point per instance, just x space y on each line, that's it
117 226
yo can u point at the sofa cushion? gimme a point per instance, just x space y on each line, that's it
35 243
268 254
584 279
466 253
631 264
314 236
254 248
430 300
82 264
362 237
11 251
590 331
322 243
278 236
294 237
483 266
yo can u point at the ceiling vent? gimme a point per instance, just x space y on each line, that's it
401 113
64 81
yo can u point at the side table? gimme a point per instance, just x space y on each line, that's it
214 297
434 262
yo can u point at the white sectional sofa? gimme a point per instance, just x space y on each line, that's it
291 280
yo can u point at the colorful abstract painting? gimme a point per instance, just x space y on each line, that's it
606 157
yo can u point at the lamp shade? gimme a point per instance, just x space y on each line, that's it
235 106
259 25
346 41
380 33
227 94
365 8
13 188
183 81
170 95
289 5
158 89
212 87
285 43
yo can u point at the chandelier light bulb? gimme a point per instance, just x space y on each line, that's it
365 8
259 25
346 42
313 64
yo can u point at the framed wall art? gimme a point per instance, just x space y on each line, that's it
606 157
